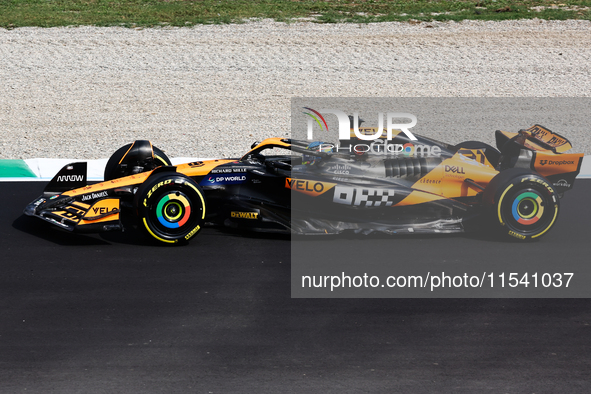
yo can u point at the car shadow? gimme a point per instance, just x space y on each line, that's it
134 236
48 232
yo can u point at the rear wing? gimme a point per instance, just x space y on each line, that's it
537 138
543 151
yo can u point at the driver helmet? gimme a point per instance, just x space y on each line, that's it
316 146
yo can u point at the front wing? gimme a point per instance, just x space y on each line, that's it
69 214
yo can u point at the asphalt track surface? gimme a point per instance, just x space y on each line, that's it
115 314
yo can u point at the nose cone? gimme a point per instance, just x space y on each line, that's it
31 209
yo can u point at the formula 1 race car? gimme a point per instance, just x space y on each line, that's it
394 186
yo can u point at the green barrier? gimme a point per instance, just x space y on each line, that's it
15 169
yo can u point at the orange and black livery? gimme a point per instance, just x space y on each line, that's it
393 186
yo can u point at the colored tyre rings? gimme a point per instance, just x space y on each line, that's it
171 207
527 207
173 210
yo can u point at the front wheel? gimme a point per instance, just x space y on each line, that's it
525 205
170 207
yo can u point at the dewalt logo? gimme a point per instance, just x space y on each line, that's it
244 215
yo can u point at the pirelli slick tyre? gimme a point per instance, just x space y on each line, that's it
524 204
126 161
170 207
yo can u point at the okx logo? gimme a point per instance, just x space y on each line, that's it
345 124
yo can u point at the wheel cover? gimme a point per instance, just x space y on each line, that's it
173 210
527 208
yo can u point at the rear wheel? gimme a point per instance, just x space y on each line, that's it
525 204
170 207
140 156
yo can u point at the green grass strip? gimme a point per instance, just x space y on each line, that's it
150 13
15 169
